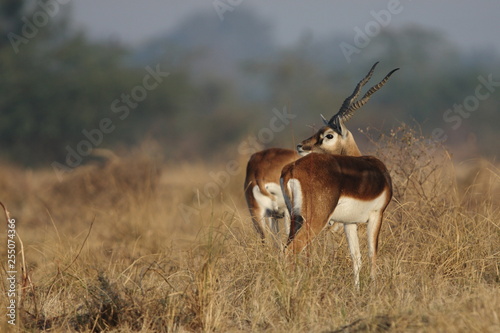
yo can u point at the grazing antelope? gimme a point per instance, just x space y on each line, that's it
262 190
320 188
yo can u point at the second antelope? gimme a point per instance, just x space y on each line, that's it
323 188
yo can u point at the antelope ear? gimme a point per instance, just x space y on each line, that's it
337 124
343 129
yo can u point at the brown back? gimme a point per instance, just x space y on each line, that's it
360 177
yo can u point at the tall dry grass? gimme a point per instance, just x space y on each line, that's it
108 249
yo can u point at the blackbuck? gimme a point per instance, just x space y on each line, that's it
325 186
262 190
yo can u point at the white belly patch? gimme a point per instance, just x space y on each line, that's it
351 210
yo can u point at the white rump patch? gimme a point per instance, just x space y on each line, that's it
294 203
351 210
264 202
279 201
274 203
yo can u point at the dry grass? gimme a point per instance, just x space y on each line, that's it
108 249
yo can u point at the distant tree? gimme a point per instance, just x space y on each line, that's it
55 83
11 12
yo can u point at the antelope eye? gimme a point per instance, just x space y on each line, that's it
329 136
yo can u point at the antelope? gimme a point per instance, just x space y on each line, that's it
325 186
262 190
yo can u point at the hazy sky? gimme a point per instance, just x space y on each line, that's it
469 24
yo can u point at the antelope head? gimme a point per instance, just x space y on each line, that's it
334 137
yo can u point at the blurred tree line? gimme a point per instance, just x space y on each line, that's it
55 83
222 85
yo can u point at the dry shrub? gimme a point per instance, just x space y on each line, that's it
421 169
113 183
442 233
20 188
13 184
479 181
118 194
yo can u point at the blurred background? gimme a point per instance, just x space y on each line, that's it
201 78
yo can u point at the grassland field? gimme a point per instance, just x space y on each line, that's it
136 245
